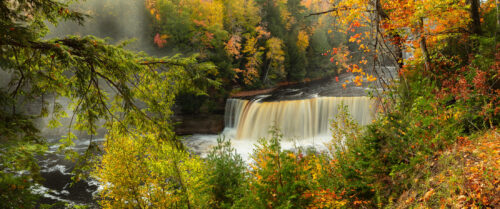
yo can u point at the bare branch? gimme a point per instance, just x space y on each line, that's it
336 9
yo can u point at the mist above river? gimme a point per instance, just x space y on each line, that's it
115 20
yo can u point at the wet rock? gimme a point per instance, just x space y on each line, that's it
198 124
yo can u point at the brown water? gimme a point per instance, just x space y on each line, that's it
299 119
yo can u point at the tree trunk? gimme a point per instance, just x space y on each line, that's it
475 16
475 25
423 46
397 39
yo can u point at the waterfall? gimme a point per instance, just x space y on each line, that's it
296 119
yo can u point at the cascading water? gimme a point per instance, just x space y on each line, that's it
232 115
296 119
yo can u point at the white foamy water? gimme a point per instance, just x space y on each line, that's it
304 123
202 144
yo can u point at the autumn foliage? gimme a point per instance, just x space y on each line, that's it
434 144
254 43
434 66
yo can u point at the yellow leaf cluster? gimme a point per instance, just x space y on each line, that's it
140 171
302 40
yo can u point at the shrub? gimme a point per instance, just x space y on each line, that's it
281 179
15 192
351 166
227 173
140 171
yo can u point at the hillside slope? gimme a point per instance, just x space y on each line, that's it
466 175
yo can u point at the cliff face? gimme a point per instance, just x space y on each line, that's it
198 124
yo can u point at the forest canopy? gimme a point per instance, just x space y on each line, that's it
253 43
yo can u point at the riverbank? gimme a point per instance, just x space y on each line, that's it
284 84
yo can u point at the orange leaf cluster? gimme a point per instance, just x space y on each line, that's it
160 40
325 198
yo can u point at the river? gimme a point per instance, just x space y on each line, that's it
303 113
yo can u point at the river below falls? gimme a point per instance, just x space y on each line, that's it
58 185
56 170
304 112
